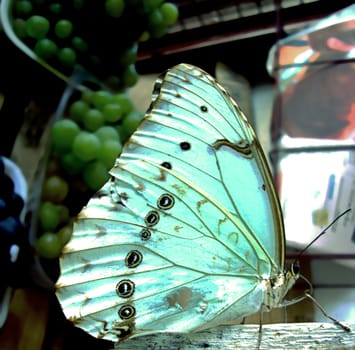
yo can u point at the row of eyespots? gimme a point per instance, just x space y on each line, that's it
165 202
125 288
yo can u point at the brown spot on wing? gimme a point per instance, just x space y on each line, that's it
201 203
181 297
140 187
123 195
177 228
86 265
162 175
180 189
101 231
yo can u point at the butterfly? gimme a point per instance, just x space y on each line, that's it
188 233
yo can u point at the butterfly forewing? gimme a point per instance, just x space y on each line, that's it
182 237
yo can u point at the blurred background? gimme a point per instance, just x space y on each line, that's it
76 78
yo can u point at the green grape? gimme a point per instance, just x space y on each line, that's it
87 95
123 136
23 8
63 28
156 24
95 175
67 56
49 216
71 163
64 132
93 119
55 189
131 122
20 27
63 214
158 31
100 98
37 27
112 112
65 234
109 151
56 8
130 76
144 37
151 5
78 109
86 146
156 18
45 48
129 55
79 44
170 13
124 101
49 245
114 8
107 132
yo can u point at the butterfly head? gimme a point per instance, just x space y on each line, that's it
277 287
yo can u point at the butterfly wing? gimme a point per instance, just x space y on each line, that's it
183 235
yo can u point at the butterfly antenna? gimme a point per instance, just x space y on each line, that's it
308 294
320 234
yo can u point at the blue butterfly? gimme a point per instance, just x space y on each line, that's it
188 233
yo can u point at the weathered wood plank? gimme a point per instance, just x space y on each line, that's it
274 336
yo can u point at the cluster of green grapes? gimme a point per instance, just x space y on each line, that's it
99 35
102 36
85 145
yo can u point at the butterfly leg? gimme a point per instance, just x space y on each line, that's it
260 328
345 327
285 314
261 320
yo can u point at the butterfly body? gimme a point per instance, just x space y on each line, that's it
188 232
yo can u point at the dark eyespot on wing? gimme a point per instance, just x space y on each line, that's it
133 258
185 146
125 288
126 312
152 218
165 201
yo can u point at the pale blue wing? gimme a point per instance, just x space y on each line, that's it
242 185
198 214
